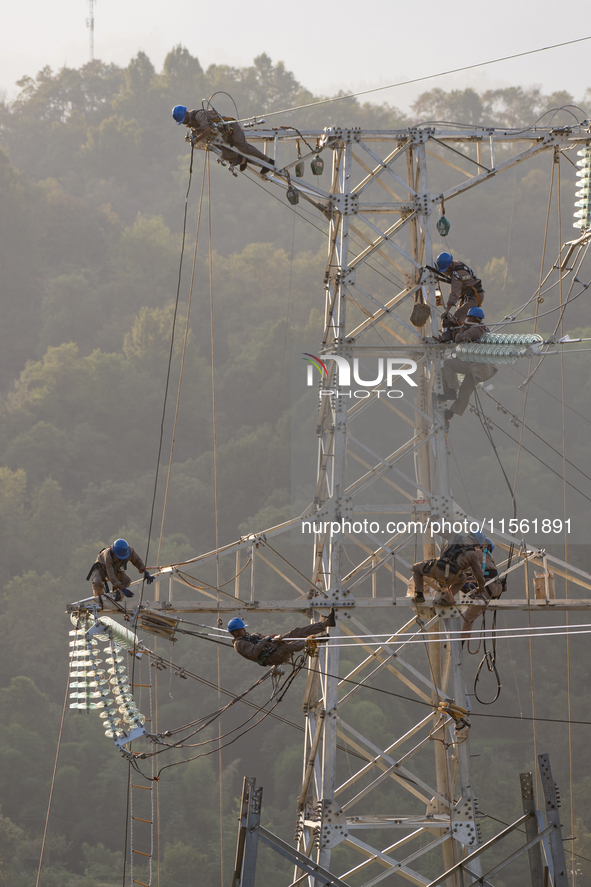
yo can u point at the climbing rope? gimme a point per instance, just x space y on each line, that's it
183 355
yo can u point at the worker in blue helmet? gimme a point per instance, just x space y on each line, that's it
471 330
466 287
207 123
111 566
274 649
460 558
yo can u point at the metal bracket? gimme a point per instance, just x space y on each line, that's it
345 204
442 508
463 824
120 741
420 135
422 203
346 278
334 826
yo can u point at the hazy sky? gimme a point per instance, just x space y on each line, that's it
327 45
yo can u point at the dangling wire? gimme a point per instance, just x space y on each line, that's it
490 658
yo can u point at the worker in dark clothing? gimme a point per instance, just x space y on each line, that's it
466 288
489 591
207 123
274 649
470 331
450 570
111 565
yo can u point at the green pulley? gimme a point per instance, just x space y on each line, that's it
317 166
443 227
292 196
299 169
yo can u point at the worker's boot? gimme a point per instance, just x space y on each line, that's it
330 620
444 599
419 597
448 394
243 164
264 170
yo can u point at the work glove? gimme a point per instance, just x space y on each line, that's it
445 315
127 592
149 579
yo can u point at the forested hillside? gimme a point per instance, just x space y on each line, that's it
93 175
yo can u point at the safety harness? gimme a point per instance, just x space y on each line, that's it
473 289
448 560
268 651
97 564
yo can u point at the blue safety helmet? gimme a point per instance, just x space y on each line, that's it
476 312
236 623
490 545
443 262
479 537
121 549
178 112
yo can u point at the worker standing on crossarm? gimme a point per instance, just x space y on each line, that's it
207 123
489 591
111 566
471 330
466 288
274 649
450 570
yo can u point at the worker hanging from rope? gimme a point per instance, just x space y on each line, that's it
274 649
483 595
450 570
111 566
466 288
471 330
207 124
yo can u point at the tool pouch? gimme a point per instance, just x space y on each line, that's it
420 313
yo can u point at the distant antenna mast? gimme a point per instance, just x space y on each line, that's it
90 26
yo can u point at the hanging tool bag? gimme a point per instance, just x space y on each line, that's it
420 313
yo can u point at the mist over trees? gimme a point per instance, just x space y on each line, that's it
93 175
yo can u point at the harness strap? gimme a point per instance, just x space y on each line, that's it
92 569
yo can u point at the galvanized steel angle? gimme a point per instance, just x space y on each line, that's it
387 312
393 864
321 875
393 767
501 167
388 850
389 465
396 301
410 787
384 166
384 238
384 662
